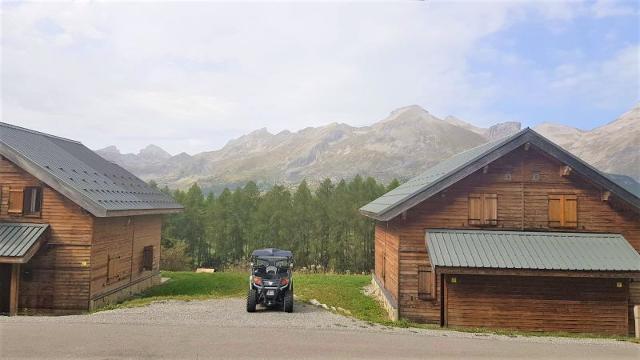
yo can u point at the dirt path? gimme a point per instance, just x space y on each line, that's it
222 329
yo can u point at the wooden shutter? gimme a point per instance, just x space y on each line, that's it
16 199
563 211
570 211
147 258
483 209
490 209
555 210
475 209
426 283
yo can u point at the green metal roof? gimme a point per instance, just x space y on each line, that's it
16 239
456 168
531 250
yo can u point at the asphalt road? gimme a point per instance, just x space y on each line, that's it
199 330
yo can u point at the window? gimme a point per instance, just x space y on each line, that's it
15 201
426 283
147 258
32 201
563 211
483 209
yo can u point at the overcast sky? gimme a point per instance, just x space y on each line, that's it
191 76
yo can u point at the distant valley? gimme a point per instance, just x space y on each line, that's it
402 145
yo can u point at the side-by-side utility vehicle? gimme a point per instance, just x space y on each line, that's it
271 280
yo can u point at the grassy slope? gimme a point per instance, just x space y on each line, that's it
344 291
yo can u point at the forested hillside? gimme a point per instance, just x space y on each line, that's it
323 228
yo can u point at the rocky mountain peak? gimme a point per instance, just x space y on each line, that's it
154 152
501 130
112 149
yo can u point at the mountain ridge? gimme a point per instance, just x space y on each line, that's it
405 143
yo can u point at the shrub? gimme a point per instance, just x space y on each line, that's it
175 258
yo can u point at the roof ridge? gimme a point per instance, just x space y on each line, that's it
16 127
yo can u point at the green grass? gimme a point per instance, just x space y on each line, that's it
189 286
344 291
340 291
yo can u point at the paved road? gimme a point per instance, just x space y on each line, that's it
220 329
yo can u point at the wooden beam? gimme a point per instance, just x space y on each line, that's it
14 289
527 146
485 169
565 170
605 195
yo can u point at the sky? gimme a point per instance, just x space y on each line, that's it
191 76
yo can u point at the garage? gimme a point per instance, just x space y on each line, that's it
537 303
534 281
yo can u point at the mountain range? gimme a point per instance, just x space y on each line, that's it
402 145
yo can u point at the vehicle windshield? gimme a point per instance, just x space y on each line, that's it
280 262
271 267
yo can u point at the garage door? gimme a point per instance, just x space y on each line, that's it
537 303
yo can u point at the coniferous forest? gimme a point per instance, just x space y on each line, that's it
323 227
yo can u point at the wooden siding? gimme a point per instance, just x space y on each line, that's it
57 277
523 181
538 303
386 257
121 241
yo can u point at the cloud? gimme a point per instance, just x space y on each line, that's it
189 76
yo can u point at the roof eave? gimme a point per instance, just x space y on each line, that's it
134 212
372 215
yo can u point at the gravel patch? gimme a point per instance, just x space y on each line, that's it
230 313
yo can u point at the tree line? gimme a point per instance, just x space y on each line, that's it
323 228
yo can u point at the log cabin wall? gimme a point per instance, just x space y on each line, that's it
539 303
522 181
386 257
56 279
117 256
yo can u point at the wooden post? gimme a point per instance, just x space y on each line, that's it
636 316
14 289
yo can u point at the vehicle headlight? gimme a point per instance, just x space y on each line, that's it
257 280
284 281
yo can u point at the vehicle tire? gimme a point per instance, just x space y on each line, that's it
288 301
252 298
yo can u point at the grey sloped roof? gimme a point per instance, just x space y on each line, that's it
531 250
17 239
456 168
97 185
626 182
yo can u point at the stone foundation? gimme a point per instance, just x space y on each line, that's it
386 299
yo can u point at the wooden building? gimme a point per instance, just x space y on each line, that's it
517 233
76 231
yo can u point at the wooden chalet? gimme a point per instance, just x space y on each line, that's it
517 233
76 231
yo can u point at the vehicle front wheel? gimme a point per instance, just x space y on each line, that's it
252 298
288 301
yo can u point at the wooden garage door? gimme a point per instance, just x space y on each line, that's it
538 303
